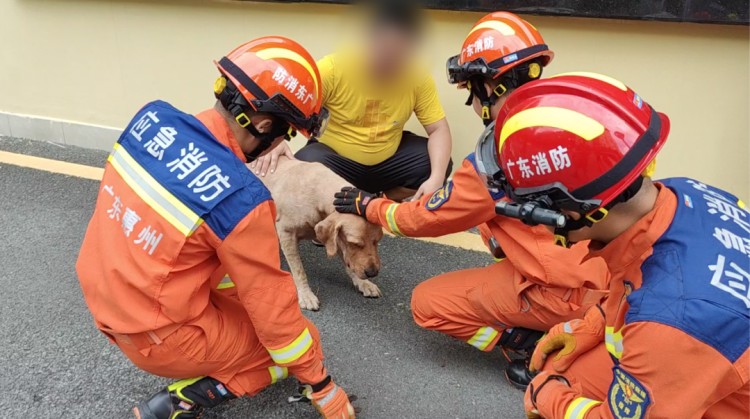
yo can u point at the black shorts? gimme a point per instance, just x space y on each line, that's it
408 168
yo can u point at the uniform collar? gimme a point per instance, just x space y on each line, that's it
219 127
635 243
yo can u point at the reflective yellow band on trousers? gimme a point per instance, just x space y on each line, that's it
613 341
579 407
225 283
150 191
294 350
278 373
482 339
390 217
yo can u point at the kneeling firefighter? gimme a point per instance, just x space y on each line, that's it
176 204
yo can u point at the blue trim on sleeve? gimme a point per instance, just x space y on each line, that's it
496 194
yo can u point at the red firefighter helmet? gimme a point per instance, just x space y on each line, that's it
503 40
496 44
276 75
500 46
578 140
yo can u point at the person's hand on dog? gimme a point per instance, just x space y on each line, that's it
353 201
268 162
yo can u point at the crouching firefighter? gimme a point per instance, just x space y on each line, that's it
176 205
535 283
672 339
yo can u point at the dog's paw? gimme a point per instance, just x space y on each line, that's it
308 300
368 289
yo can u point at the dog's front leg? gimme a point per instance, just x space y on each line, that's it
367 288
290 247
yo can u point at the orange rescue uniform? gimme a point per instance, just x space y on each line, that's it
677 325
176 204
537 285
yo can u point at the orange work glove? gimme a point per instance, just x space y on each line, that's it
331 401
535 398
570 340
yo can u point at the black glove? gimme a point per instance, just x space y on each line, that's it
353 201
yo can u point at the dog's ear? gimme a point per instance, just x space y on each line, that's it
327 232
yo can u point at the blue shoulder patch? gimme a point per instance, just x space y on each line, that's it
225 216
185 158
496 194
697 279
628 398
440 197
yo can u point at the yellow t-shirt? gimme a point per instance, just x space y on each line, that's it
366 121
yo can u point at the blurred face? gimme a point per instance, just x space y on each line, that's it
390 50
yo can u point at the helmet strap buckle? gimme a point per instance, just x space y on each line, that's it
598 215
486 112
243 120
500 90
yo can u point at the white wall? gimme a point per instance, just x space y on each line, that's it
96 62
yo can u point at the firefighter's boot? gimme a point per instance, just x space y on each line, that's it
184 399
519 341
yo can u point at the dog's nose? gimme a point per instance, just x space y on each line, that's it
371 272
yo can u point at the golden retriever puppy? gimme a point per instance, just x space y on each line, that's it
303 194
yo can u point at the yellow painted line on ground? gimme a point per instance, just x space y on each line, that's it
466 241
54 166
461 240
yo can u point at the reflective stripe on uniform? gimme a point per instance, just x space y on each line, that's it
613 341
325 400
150 191
482 339
580 407
294 350
390 217
225 283
278 373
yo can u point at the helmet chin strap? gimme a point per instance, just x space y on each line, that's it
265 139
231 99
479 90
588 220
513 79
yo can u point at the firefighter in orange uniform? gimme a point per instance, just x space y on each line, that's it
672 339
176 203
536 283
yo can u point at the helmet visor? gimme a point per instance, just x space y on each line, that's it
556 194
461 73
280 106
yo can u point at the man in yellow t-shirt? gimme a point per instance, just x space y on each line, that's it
371 93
